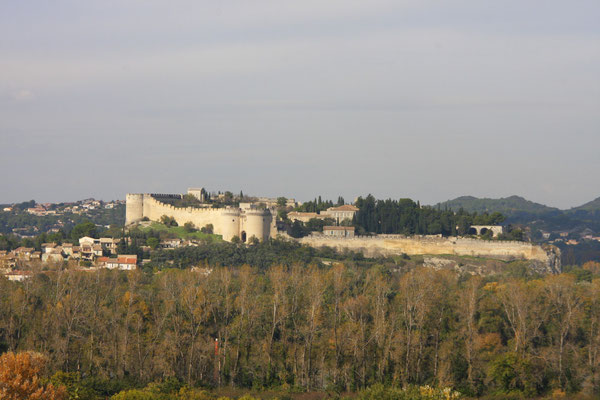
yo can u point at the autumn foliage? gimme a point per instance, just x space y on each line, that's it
20 378
340 328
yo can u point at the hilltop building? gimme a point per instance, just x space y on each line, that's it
243 223
338 214
339 231
341 213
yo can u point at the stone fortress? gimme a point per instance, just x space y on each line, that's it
243 222
248 220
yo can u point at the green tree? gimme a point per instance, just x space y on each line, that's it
153 242
207 229
86 228
189 227
512 373
168 221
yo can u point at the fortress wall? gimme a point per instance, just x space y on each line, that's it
396 244
154 209
227 222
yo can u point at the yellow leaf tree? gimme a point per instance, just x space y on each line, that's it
20 378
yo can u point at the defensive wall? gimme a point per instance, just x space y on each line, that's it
228 222
389 245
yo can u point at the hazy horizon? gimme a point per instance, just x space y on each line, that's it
418 99
334 199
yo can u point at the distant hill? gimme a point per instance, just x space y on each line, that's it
508 205
593 205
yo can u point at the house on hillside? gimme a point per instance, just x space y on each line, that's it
341 213
18 276
339 231
123 262
304 216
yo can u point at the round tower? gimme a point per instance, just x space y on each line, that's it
134 208
258 224
230 224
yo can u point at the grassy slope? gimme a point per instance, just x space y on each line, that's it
180 232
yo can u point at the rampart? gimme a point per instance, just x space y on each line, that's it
388 245
227 222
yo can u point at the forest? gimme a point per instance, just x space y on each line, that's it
338 328
407 217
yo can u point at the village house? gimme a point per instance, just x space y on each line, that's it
338 214
76 252
339 231
171 243
90 241
38 210
24 253
97 250
18 276
304 216
7 261
54 255
341 213
109 244
89 252
48 247
67 249
123 262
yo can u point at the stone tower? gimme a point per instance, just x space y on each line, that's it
134 210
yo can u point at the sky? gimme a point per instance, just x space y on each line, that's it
423 99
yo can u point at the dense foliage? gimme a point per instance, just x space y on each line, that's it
340 328
261 255
580 253
318 205
406 217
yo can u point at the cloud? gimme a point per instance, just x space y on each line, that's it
403 89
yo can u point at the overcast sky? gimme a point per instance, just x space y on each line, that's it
422 99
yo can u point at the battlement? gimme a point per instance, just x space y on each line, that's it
150 198
228 222
164 195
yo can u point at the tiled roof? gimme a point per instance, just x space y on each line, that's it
24 249
338 228
345 207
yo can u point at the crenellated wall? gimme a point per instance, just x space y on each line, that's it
227 222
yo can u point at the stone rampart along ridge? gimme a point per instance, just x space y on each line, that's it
227 222
388 245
